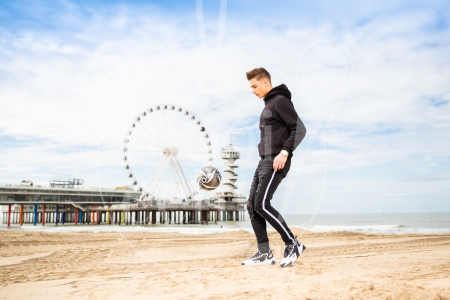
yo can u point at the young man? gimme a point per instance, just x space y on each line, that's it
281 132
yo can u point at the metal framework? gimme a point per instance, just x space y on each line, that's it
64 181
164 147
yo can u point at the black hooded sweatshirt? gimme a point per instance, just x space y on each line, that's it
281 127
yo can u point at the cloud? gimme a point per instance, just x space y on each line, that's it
372 91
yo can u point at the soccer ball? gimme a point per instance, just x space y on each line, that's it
208 178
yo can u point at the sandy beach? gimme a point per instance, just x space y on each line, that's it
339 265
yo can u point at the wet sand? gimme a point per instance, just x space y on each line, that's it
340 265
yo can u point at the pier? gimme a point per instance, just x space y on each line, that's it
41 205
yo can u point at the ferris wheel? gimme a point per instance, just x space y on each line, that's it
164 148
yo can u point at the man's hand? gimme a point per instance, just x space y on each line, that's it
279 161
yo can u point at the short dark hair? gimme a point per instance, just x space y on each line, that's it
258 73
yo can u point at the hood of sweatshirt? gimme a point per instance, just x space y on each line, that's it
278 90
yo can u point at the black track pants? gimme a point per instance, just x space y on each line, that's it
264 185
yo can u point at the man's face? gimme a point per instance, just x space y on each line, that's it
259 87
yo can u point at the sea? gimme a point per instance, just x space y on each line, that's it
383 223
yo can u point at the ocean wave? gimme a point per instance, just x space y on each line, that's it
384 229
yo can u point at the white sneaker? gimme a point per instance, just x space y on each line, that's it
291 253
260 258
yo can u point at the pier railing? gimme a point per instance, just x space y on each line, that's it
92 188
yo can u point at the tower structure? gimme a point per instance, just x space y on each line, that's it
229 155
230 205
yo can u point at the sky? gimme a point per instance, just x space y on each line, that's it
370 80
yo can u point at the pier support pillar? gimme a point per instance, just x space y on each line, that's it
56 214
43 214
9 215
21 215
35 215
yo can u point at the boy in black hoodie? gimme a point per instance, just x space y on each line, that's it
281 132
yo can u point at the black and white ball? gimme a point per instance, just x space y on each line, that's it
208 178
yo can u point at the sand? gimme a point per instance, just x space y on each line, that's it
177 266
